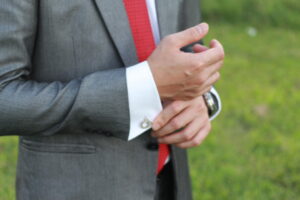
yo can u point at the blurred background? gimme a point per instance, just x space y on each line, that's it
252 152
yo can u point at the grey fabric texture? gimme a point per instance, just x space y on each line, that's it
63 90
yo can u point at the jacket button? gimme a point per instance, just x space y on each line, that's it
107 133
152 146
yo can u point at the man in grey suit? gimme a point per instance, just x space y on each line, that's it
65 89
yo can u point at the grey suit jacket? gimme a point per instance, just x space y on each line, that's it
63 90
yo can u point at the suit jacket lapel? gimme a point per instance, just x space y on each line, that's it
115 19
161 16
167 14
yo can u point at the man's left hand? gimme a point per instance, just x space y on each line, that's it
182 123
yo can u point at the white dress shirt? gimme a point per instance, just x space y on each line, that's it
144 100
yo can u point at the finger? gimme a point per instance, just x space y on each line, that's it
212 55
213 79
178 122
188 36
202 77
198 48
208 89
198 138
196 92
206 86
211 70
169 112
215 43
184 135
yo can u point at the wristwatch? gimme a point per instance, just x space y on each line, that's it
211 103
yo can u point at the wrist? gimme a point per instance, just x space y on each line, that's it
157 78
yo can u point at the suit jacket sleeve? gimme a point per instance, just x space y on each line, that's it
97 101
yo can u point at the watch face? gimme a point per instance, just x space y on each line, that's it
211 103
215 106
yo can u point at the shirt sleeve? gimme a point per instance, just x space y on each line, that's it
215 93
144 99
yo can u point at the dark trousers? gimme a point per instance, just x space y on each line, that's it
165 188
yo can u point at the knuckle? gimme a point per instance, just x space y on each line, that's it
221 54
196 142
176 106
194 33
175 124
186 136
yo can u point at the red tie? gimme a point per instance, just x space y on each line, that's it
144 42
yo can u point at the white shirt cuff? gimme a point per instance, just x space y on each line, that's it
215 93
144 99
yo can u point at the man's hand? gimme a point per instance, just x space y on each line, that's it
183 76
189 116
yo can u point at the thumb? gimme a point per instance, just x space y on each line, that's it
190 35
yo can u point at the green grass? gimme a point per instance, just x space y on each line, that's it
252 151
8 158
280 13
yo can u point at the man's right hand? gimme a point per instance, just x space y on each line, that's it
182 76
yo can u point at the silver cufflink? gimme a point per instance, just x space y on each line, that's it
146 123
